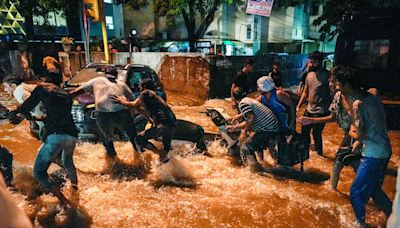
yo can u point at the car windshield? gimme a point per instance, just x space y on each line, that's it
134 79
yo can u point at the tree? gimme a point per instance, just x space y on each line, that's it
43 7
197 14
30 8
337 11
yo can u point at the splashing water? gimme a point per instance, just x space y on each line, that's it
190 189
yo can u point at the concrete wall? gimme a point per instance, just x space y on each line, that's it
198 76
186 73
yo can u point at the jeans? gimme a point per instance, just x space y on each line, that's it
109 122
317 129
367 183
338 165
165 132
257 142
49 151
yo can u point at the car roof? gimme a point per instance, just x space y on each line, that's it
104 65
130 65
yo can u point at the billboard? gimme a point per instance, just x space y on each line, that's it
260 7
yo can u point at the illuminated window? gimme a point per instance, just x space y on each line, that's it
56 24
110 22
108 1
248 32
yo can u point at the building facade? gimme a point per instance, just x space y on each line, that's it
287 30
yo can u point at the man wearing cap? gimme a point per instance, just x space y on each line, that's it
110 114
279 102
258 126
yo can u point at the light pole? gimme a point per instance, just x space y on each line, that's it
132 34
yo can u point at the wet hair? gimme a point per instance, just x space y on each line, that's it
147 83
316 55
12 79
53 77
111 70
238 93
346 75
250 61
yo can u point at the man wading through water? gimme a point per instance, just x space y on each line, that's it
242 77
157 112
376 151
316 92
60 134
258 126
110 114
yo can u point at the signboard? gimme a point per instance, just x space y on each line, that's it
260 7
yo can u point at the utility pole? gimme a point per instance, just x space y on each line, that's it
104 30
86 31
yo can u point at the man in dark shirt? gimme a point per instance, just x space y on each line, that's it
159 114
276 75
60 133
242 79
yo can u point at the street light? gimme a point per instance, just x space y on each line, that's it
132 34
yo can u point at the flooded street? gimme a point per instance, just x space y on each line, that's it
191 190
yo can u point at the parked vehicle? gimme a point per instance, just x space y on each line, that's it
83 108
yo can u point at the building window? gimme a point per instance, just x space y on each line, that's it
255 27
315 9
56 24
110 22
108 1
248 32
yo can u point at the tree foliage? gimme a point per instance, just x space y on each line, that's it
43 7
335 11
197 14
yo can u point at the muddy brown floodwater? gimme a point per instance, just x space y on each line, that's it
190 190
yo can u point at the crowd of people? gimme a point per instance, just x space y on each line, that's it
330 96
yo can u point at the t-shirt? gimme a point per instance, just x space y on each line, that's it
370 120
277 77
264 118
319 97
22 92
57 103
340 114
103 90
157 109
241 80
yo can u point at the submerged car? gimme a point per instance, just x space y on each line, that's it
83 108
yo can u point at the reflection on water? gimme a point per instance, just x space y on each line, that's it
190 190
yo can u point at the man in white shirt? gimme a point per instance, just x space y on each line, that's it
21 91
110 114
